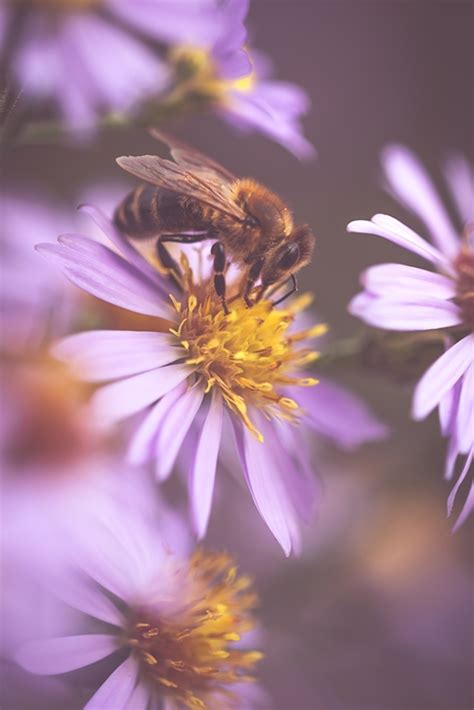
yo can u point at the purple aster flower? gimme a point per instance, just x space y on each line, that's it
174 621
80 56
238 83
196 370
399 297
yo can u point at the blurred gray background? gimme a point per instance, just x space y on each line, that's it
377 615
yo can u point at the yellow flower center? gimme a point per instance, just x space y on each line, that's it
251 354
187 650
199 75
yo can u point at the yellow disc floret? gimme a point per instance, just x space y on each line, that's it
251 354
187 649
199 75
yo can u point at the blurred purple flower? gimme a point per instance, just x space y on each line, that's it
179 618
238 82
194 366
81 56
33 300
399 297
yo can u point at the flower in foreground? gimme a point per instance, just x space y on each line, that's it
199 373
238 83
197 361
77 54
399 297
174 620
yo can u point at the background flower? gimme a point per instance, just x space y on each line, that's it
401 297
179 616
87 58
237 82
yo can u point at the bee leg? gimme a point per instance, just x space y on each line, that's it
218 252
289 293
165 257
254 273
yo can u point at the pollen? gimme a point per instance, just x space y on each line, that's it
251 354
186 649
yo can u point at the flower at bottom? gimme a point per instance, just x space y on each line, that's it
175 618
399 297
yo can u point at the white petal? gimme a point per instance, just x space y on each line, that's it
442 376
109 354
403 282
420 314
390 228
459 482
121 399
460 177
117 689
105 274
465 413
203 474
266 486
61 655
413 186
81 594
174 428
141 445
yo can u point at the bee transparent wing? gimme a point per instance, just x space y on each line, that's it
207 188
192 159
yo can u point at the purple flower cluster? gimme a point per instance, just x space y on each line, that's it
125 360
90 58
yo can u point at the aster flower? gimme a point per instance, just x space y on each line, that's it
196 369
53 50
399 297
175 620
237 83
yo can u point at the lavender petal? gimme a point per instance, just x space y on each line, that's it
117 690
64 654
202 475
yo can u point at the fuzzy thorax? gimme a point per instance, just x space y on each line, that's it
187 650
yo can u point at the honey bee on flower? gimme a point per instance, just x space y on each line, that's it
193 369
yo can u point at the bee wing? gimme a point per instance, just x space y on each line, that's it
192 159
206 187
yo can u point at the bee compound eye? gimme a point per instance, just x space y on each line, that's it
289 257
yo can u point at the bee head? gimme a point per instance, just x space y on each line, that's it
290 257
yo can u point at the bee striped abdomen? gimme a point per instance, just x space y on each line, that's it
149 211
138 214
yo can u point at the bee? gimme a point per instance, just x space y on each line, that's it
192 198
